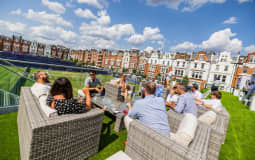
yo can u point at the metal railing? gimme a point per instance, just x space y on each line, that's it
8 98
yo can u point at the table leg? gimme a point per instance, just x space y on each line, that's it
119 123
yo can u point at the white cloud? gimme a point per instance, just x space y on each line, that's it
188 5
53 33
250 49
100 4
99 33
54 6
185 46
218 41
16 12
7 27
221 41
103 18
148 34
69 4
46 18
231 20
148 49
85 13
243 1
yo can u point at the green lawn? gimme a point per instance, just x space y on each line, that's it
8 79
240 141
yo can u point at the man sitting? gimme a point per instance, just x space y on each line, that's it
195 92
150 111
91 84
213 103
42 85
41 90
186 102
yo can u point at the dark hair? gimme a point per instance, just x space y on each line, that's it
195 86
150 87
184 87
62 86
93 72
217 94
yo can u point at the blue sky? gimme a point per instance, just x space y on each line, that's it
170 25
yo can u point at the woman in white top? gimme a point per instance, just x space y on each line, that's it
172 97
123 83
213 103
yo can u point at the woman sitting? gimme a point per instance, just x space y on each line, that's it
124 85
213 103
172 97
61 98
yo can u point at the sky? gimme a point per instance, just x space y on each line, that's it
168 25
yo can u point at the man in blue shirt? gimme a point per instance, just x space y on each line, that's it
186 102
150 111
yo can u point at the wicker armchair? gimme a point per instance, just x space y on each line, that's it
217 135
224 114
144 143
73 136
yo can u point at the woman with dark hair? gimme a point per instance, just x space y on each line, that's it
61 98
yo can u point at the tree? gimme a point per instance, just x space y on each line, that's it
124 70
185 80
134 71
93 63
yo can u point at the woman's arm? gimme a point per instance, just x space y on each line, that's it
88 99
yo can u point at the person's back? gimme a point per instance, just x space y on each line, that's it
151 111
186 102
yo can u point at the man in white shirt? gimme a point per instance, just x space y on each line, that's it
195 92
42 85
41 89
214 103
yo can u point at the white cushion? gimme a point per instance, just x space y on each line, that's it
208 117
181 138
119 156
186 130
81 94
45 108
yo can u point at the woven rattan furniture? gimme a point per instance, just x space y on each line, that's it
217 135
73 136
144 143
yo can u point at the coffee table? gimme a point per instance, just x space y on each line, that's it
114 107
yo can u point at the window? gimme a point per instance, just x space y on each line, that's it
217 67
168 63
224 78
226 68
252 59
195 65
106 61
178 63
183 64
245 69
201 57
112 62
163 62
202 65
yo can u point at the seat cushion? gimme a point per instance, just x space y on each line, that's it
119 156
208 117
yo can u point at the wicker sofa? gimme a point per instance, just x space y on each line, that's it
217 135
73 136
144 143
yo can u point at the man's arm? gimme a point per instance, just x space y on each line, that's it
133 111
87 86
180 105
